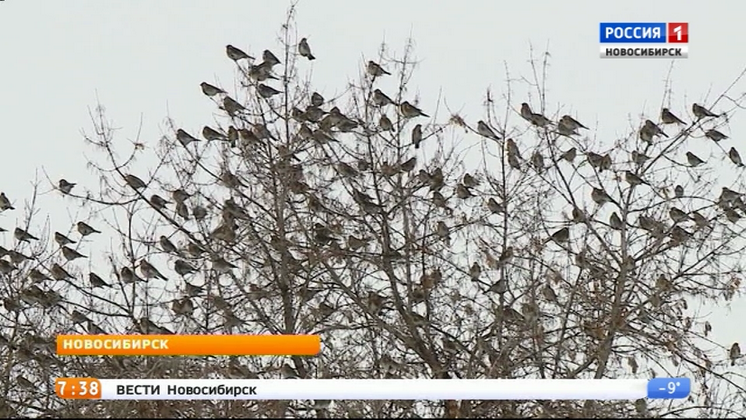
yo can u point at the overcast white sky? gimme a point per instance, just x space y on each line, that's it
145 58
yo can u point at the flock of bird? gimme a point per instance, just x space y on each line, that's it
729 201
319 125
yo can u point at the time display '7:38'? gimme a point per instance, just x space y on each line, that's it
77 388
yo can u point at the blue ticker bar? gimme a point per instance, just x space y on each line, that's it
632 32
669 388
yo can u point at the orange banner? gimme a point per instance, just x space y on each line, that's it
188 345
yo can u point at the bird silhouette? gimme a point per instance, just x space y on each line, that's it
693 159
484 130
734 353
735 157
62 240
526 112
417 136
185 138
96 280
701 112
571 123
236 54
71 254
381 99
667 117
23 236
410 111
150 272
134 182
84 229
305 50
570 154
267 91
5 203
715 135
65 186
269 58
210 90
600 196
375 70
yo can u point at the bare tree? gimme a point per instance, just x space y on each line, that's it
353 216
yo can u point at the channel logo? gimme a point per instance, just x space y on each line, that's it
623 39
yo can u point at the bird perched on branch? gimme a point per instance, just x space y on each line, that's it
715 135
210 90
600 196
128 276
678 215
735 157
185 138
417 136
236 54
267 91
24 236
570 123
65 186
381 99
269 58
570 154
62 240
561 236
231 106
316 99
484 130
667 117
410 111
212 134
150 272
71 254
702 112
97 281
650 130
526 112
183 268
180 195
5 203
158 202
37 276
166 245
693 160
59 273
633 179
734 354
85 229
305 50
375 70
134 182
442 230
494 206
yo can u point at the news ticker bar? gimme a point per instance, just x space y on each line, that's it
188 345
372 389
621 51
